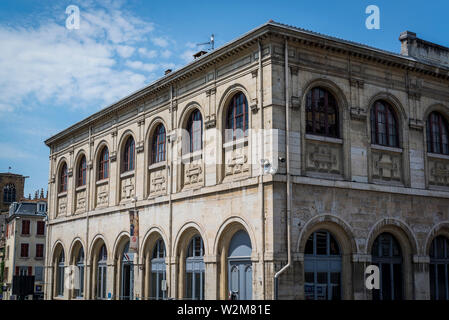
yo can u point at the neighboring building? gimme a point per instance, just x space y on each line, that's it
365 180
25 244
11 190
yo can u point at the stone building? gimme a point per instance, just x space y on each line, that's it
362 179
11 190
25 245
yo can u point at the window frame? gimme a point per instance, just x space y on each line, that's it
388 110
193 131
103 164
315 111
442 126
129 155
63 178
158 141
9 193
24 247
233 106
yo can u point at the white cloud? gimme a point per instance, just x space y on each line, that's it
53 65
139 65
166 54
187 55
147 53
125 51
161 42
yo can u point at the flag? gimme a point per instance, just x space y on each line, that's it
133 231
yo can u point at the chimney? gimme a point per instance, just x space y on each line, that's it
412 46
167 71
199 54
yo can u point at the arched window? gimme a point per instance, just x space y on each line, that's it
81 181
127 274
437 134
128 155
103 164
60 269
237 117
158 271
101 272
195 268
9 193
63 178
79 289
240 269
158 145
384 125
439 269
195 130
386 254
322 267
322 113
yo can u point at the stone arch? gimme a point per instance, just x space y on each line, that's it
438 107
225 100
58 248
185 234
407 242
401 115
120 242
187 110
441 229
76 244
223 239
149 242
397 228
333 88
94 250
339 228
97 154
343 234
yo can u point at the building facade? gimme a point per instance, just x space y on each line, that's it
12 190
231 209
25 245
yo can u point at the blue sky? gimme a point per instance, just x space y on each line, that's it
52 77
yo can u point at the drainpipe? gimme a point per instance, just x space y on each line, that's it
170 205
262 206
288 184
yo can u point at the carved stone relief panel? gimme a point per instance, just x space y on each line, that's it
62 205
193 174
103 195
236 162
127 188
386 166
324 157
158 181
80 201
438 172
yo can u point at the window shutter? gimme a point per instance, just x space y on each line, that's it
30 271
17 271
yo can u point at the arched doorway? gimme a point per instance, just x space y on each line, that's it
387 255
60 272
127 274
195 269
79 264
101 272
439 269
240 267
322 267
158 272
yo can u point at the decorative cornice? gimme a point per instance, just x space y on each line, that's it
357 83
113 156
358 113
210 122
295 102
210 91
416 124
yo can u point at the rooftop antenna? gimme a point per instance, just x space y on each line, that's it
211 43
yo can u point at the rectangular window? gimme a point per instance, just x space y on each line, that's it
30 271
24 250
25 227
38 273
39 250
5 274
40 228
